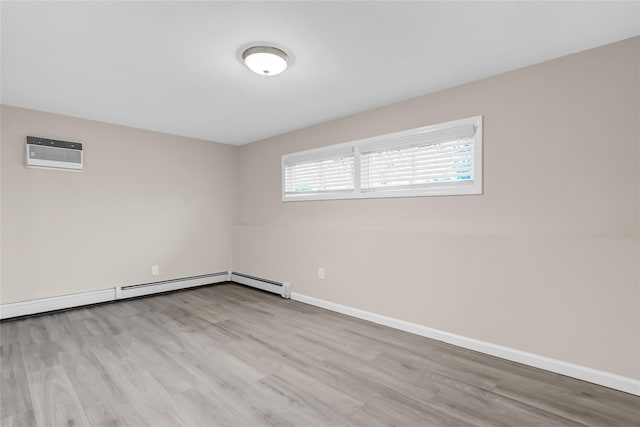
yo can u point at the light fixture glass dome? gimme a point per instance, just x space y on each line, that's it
265 60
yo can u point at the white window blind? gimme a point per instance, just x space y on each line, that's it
443 159
332 174
418 166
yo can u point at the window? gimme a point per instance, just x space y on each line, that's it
331 172
443 159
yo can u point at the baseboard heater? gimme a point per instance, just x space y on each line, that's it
281 288
131 291
63 302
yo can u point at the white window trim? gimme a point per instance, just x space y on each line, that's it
441 189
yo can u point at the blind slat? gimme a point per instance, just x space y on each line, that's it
401 163
394 158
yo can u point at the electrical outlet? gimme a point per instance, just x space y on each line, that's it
321 273
155 270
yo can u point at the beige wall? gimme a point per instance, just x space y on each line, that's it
545 261
144 198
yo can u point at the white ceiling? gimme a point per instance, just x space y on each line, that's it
175 66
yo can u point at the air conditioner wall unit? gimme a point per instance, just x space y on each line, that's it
43 153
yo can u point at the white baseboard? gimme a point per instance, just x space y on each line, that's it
618 382
43 305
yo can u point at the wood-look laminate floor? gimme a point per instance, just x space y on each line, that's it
233 356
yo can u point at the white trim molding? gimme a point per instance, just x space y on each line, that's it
607 379
62 302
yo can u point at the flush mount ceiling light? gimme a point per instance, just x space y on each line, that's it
265 60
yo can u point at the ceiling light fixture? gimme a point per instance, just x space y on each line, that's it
265 60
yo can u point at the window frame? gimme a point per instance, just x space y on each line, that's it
474 187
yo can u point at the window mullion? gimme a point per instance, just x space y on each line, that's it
357 170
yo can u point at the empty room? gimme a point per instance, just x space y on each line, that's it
317 213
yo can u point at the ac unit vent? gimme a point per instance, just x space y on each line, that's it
46 153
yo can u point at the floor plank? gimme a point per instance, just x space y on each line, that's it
54 398
14 394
